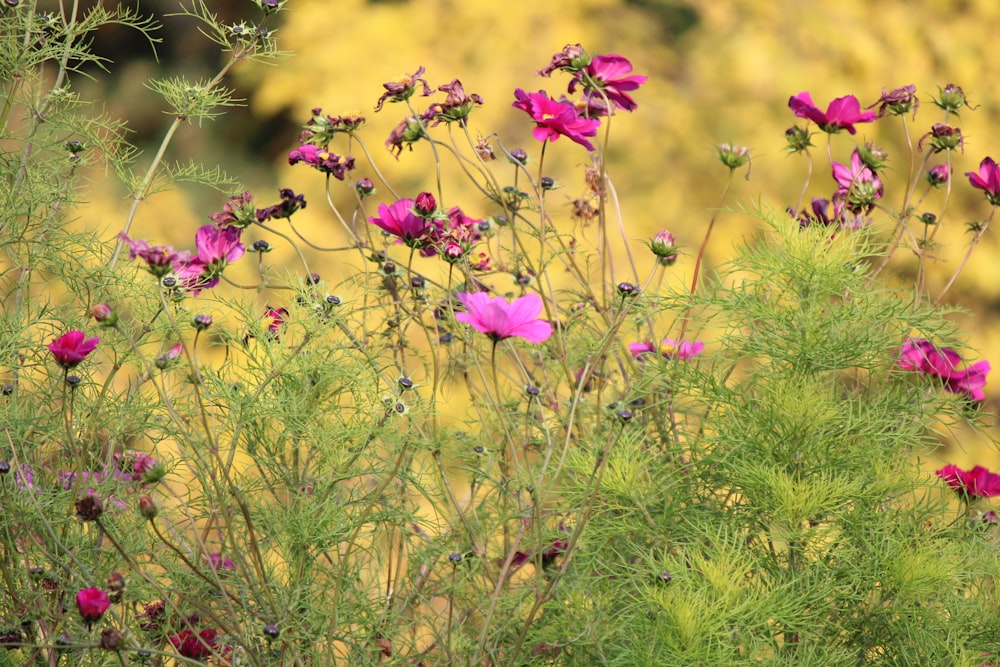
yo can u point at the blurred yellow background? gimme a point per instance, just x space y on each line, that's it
719 71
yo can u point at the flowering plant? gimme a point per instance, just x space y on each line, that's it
483 428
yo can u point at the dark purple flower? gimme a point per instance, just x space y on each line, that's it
402 89
159 259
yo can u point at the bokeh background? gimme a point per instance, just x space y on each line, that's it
719 71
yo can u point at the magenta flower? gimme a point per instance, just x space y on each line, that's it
499 319
216 248
220 564
987 179
612 75
976 483
554 119
400 221
858 186
918 354
195 646
841 114
669 349
92 603
72 347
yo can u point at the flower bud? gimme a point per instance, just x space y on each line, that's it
262 246
938 175
798 139
364 187
148 508
271 631
664 246
104 314
519 156
89 508
872 156
547 183
202 321
425 205
454 557
627 289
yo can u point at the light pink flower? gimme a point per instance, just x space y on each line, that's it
499 319
72 347
611 74
554 119
841 114
976 483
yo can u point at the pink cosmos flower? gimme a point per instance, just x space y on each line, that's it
918 354
669 349
92 603
857 184
976 483
841 114
555 119
612 75
400 221
987 179
499 319
216 248
72 347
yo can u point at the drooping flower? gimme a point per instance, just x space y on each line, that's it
286 208
457 105
499 319
239 211
669 348
898 102
72 347
402 88
841 114
987 179
976 483
322 160
612 75
554 118
400 220
92 603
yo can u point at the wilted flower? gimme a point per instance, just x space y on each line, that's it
898 102
841 114
407 132
457 105
987 179
72 347
195 646
402 88
92 603
976 483
951 98
571 58
159 259
322 160
289 204
732 155
942 138
612 76
499 319
554 119
239 211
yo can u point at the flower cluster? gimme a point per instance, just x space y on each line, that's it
918 354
